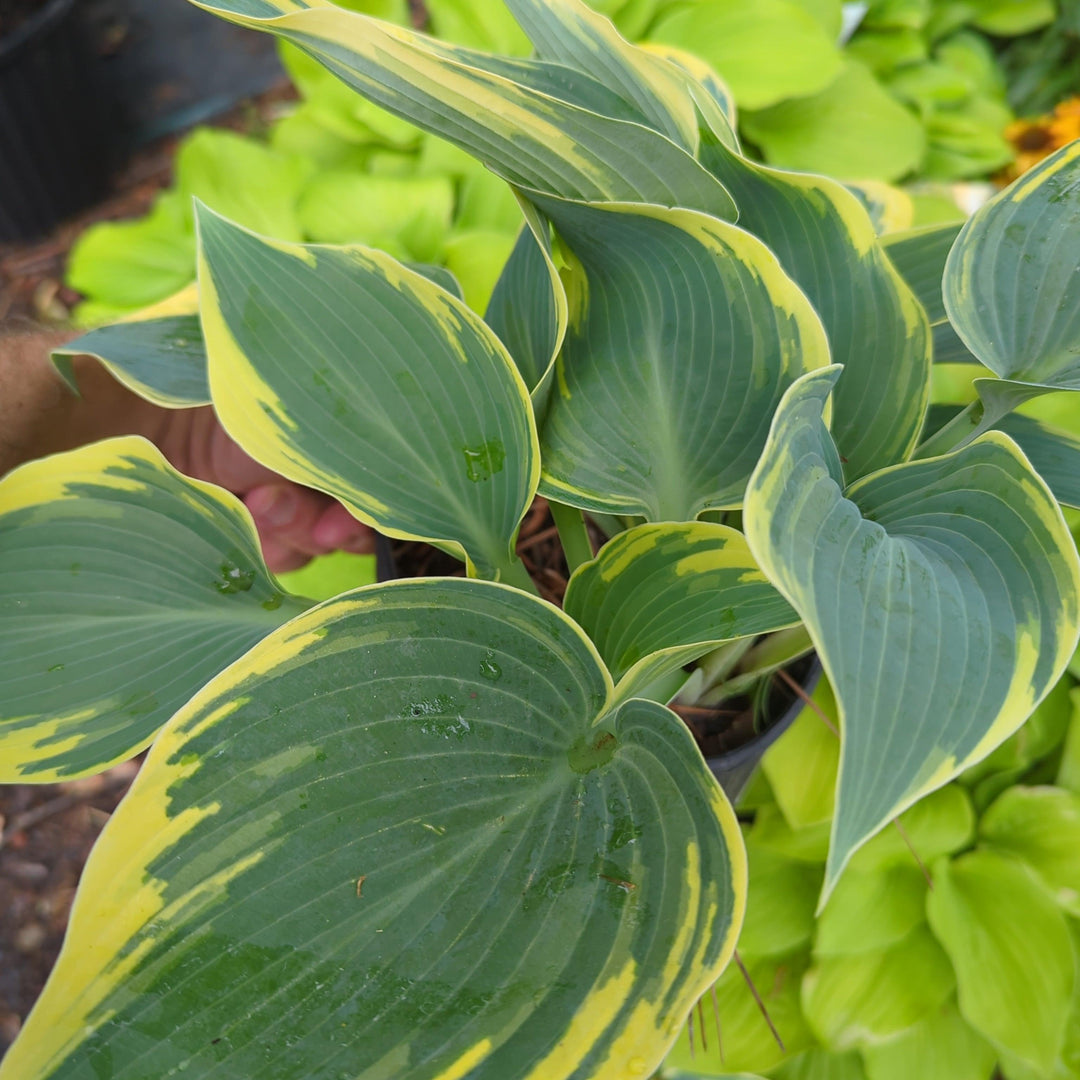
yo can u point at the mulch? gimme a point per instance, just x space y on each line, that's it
46 832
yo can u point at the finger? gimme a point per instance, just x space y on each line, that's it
287 514
280 558
340 531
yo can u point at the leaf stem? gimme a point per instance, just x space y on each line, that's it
513 572
574 535
957 433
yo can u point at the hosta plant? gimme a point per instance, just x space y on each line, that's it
439 828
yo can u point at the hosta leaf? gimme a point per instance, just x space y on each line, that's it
871 910
1011 949
158 352
940 824
826 242
568 32
870 997
1040 825
940 1047
942 596
502 112
766 50
919 255
683 334
660 596
1053 452
1010 285
342 369
891 209
746 1044
802 764
208 163
129 265
780 906
854 129
525 309
408 835
818 1064
124 587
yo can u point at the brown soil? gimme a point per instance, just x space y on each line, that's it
46 832
13 13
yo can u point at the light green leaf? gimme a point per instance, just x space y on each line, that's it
124 587
871 911
765 50
385 378
1041 826
330 575
469 865
408 217
157 352
129 265
943 597
1011 949
867 998
683 334
1069 771
854 130
746 1044
208 164
827 243
939 824
1010 288
780 905
660 596
818 1064
533 123
899 13
1008 18
802 764
480 24
477 258
940 1047
883 51
772 832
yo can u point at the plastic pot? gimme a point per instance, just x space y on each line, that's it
734 769
54 136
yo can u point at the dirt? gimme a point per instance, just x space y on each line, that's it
13 13
46 832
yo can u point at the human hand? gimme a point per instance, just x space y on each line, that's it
295 523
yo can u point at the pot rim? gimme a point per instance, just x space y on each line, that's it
38 25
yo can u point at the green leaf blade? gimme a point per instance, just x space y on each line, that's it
943 598
1012 952
124 587
458 867
385 377
658 596
683 334
1010 288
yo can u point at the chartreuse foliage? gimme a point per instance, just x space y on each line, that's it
441 829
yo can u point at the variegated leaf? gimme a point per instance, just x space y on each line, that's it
409 835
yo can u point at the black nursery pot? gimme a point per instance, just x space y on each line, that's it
734 769
54 134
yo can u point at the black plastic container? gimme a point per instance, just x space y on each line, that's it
734 770
55 142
